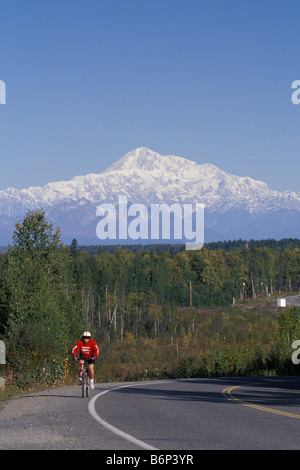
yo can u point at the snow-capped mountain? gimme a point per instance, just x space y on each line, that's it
236 207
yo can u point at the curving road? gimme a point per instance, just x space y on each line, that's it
192 414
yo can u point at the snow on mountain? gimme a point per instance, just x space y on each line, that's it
179 179
233 204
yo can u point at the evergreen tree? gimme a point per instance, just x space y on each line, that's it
37 283
74 248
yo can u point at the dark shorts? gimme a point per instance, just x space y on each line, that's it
89 360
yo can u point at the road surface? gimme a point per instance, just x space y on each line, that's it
192 414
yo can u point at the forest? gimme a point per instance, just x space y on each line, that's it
156 311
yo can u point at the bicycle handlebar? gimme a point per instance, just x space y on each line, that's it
93 358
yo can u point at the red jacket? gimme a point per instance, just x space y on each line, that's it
88 350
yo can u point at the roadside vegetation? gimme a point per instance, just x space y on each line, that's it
156 312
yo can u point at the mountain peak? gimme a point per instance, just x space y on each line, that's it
147 177
134 159
143 158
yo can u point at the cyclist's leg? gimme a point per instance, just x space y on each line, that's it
91 374
81 365
91 370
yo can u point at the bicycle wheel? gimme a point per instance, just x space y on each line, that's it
83 389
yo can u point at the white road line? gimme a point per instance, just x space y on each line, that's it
115 430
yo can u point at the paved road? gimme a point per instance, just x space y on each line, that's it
214 413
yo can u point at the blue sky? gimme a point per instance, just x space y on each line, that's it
89 80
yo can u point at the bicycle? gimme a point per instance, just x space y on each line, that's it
85 384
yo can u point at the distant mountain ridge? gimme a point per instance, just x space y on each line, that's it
236 207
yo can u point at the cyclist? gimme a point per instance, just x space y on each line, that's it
89 350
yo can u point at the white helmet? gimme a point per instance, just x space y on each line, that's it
87 334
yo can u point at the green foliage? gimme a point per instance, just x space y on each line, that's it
40 311
224 344
33 272
138 304
288 332
36 355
